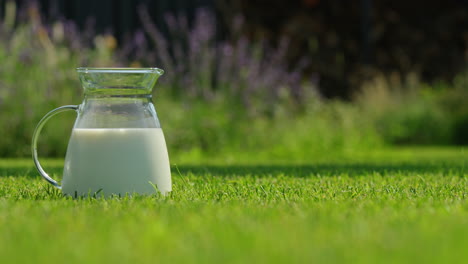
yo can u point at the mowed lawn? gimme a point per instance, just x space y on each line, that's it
401 206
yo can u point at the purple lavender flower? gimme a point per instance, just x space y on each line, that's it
250 71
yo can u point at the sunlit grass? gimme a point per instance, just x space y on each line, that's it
374 209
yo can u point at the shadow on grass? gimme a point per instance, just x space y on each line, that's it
327 169
330 169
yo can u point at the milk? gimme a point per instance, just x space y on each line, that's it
116 161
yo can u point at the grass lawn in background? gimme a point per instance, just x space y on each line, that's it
395 206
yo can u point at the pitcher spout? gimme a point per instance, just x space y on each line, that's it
118 81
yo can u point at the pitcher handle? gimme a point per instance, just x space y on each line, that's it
36 133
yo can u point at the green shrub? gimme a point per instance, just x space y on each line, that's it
37 74
409 112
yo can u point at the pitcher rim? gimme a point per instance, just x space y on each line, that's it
119 70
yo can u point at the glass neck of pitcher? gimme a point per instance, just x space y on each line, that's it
118 98
117 111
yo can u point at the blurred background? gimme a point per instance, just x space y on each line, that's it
274 79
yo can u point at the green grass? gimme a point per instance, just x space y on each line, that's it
398 206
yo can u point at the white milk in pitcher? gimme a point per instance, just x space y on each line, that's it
116 161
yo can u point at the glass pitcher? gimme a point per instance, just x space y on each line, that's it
117 145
